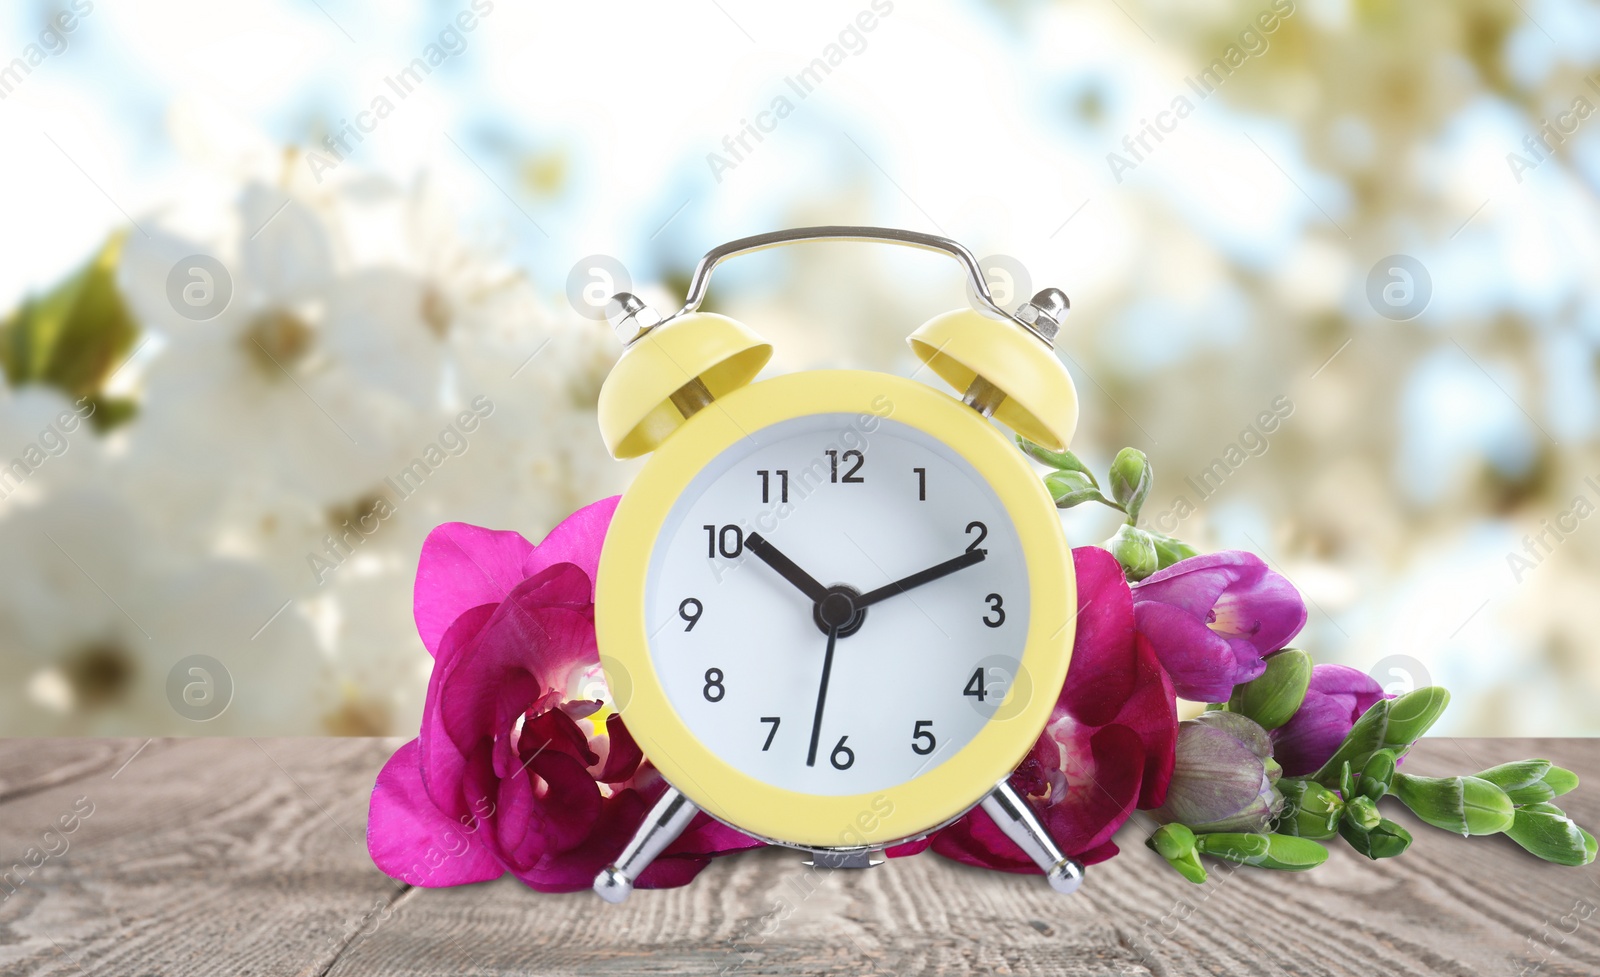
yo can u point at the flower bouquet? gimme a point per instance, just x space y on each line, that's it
524 766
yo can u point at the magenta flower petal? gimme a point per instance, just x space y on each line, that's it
574 869
707 836
1100 798
443 763
1204 665
624 757
461 567
529 648
1102 673
1152 713
1196 584
412 840
577 540
1082 822
1212 619
909 848
1337 697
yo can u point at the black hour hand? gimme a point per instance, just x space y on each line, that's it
921 577
787 569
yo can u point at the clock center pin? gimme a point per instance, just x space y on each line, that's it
837 609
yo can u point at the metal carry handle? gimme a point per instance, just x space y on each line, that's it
701 279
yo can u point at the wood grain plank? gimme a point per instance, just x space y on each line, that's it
1450 906
229 857
201 857
31 765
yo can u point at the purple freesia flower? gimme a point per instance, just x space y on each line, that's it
1337 697
1212 618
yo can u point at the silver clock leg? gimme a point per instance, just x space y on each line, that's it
661 827
1011 812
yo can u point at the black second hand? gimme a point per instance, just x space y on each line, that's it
822 697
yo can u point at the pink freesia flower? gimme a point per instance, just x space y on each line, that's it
1212 618
1337 697
1108 747
510 773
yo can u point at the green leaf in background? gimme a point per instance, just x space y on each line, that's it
74 336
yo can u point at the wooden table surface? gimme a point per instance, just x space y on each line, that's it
236 857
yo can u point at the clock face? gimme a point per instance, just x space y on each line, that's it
847 530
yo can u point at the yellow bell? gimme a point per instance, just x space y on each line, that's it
670 371
1004 371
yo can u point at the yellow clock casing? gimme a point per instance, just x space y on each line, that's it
947 789
685 389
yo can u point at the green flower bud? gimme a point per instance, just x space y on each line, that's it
1385 841
1518 773
1364 737
1170 550
1412 714
1535 793
1286 853
1310 809
1074 488
1130 480
1133 549
1060 460
1362 812
1391 723
1347 782
1176 844
1376 775
1272 698
1560 780
1530 781
1465 805
1548 833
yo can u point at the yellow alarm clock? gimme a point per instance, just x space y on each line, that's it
835 608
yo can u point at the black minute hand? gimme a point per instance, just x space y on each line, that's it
921 577
786 567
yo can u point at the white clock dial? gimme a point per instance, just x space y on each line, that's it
854 503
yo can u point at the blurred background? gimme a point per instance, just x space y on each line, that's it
1332 266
